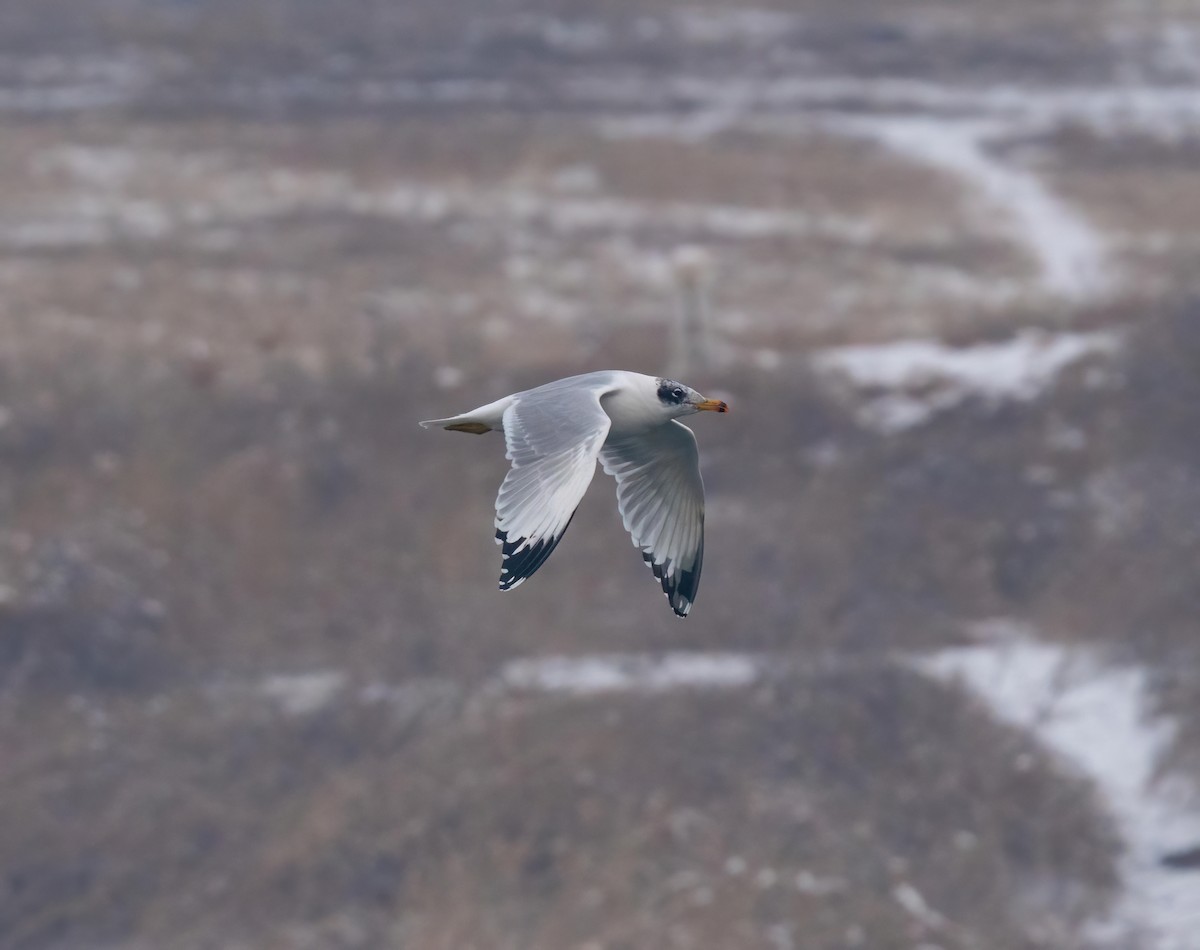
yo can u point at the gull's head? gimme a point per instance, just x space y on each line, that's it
680 400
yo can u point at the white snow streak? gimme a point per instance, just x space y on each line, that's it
938 377
1070 253
1094 717
630 673
299 694
950 128
91 215
1166 112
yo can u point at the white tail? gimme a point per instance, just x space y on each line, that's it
458 424
477 421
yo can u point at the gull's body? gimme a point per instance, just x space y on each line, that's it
556 433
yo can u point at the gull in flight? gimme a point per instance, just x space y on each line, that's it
629 422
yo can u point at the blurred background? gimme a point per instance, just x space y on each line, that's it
257 687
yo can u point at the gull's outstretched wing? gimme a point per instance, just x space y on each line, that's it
661 497
553 436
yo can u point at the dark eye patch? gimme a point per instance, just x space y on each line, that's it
670 391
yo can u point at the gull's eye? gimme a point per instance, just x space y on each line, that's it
677 393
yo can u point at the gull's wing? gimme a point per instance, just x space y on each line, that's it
661 497
553 436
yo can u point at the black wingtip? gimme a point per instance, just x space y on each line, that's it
520 560
679 586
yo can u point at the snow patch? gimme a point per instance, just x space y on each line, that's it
710 27
570 36
50 83
43 233
574 215
1071 255
1167 112
299 694
91 215
931 376
88 165
952 128
1094 717
630 673
915 905
1019 368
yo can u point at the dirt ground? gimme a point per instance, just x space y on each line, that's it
250 642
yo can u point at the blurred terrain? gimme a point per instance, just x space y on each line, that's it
257 688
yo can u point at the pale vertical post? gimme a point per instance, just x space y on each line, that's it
690 343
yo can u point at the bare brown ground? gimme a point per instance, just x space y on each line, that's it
218 327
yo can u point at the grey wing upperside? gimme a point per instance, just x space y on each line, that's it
553 438
661 498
